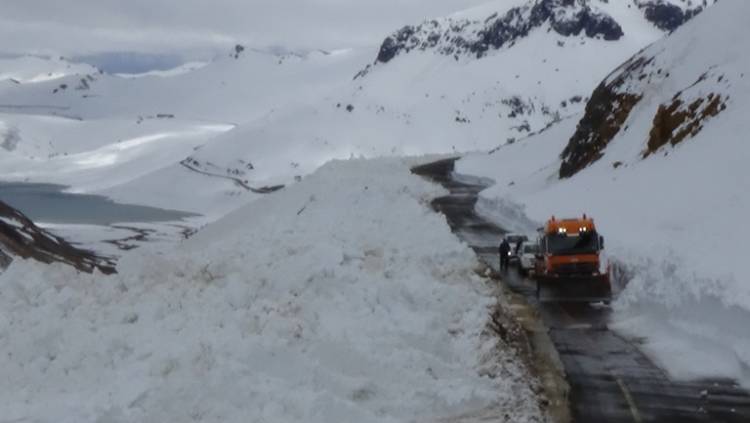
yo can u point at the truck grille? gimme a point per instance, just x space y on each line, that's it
577 268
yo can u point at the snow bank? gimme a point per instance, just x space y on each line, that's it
674 217
342 298
694 324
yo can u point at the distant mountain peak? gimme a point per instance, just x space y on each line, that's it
463 36
476 37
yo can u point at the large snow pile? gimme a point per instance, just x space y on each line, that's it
342 298
664 173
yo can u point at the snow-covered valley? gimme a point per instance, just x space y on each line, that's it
269 118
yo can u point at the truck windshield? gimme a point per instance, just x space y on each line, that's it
586 243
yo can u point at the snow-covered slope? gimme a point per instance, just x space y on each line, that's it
32 69
325 302
659 159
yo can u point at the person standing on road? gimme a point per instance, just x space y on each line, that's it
504 258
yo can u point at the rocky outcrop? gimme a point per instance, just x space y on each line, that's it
668 16
20 237
237 51
606 112
678 118
674 122
605 115
665 16
456 36
566 17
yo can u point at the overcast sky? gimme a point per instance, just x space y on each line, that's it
73 27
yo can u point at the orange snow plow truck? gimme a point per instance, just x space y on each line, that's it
569 261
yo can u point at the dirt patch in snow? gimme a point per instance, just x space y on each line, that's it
518 325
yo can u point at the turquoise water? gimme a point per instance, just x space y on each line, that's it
47 203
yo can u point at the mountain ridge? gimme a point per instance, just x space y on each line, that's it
477 36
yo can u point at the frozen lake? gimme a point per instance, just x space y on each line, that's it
47 203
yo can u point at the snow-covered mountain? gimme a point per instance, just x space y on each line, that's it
34 69
470 81
697 91
659 159
461 35
476 32
253 119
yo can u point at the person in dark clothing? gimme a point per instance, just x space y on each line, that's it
504 257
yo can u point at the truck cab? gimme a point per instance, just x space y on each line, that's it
569 258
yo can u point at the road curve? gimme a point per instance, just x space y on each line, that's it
610 378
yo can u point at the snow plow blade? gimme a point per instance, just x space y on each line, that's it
574 288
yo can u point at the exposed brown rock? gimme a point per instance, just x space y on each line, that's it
673 123
606 113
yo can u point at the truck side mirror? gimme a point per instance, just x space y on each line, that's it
601 241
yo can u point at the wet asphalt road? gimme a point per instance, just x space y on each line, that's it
610 379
